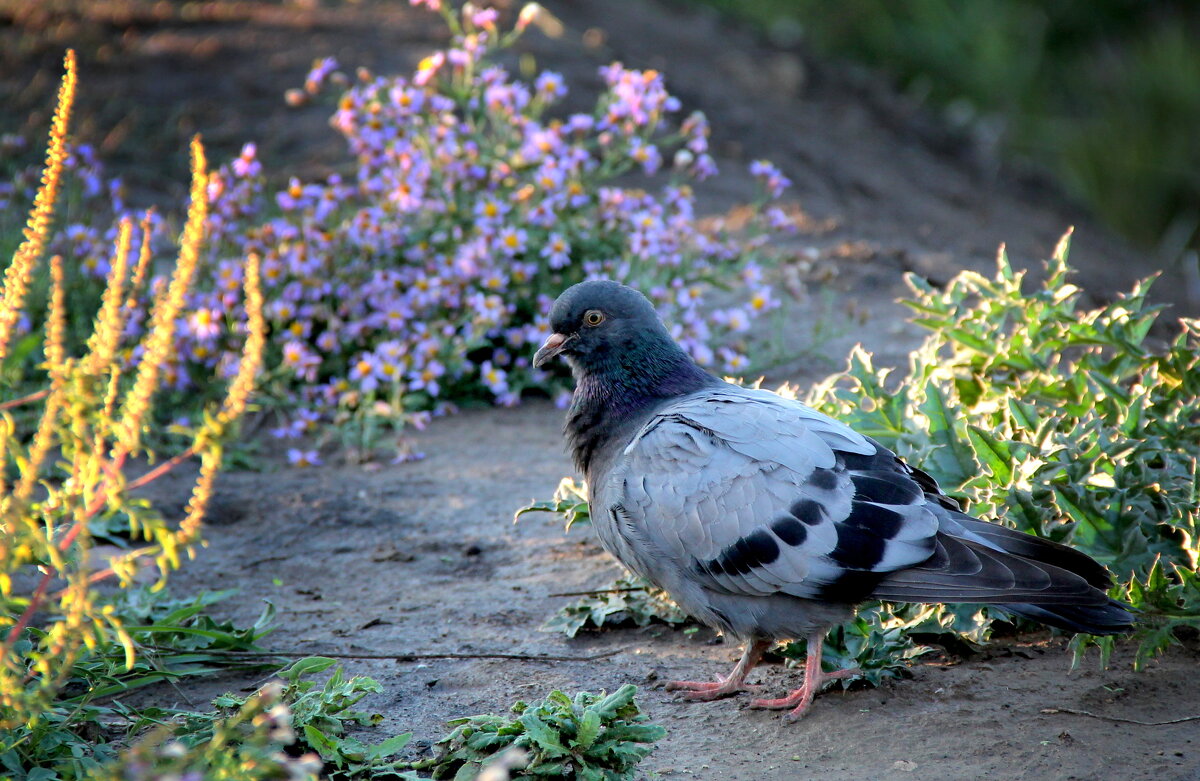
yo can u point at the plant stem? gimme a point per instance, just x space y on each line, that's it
161 469
32 397
35 601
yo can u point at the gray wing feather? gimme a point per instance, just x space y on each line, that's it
710 484
736 493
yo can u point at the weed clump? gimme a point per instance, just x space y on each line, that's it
588 737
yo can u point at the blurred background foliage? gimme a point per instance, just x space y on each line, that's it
1105 94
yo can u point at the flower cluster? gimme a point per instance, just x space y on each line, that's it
425 280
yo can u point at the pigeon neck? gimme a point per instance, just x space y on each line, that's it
606 404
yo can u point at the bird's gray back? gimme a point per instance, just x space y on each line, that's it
731 497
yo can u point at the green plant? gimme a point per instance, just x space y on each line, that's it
249 743
1058 421
629 599
569 501
1103 94
590 737
320 715
173 639
261 735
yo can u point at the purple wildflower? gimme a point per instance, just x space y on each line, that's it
302 458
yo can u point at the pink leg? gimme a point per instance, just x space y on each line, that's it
723 687
814 679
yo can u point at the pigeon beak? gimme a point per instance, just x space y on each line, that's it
553 346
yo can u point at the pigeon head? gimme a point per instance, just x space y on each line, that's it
624 360
618 348
601 325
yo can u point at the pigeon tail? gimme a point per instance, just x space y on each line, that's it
1110 618
983 563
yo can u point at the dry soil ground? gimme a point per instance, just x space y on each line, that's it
423 557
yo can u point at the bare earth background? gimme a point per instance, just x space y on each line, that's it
423 558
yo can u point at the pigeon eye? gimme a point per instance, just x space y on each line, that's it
593 317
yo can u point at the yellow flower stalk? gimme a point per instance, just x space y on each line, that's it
90 421
55 348
143 263
256 339
236 398
161 333
37 228
106 335
56 323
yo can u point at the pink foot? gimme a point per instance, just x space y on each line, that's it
801 698
709 690
725 686
814 679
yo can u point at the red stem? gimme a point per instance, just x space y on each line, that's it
25 399
161 469
35 601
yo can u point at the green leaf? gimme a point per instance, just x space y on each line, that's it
589 729
391 746
308 666
952 457
542 734
324 745
1024 415
469 771
992 453
610 705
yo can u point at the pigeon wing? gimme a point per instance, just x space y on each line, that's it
750 493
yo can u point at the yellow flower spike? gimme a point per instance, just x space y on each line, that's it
43 441
143 263
106 334
161 332
6 433
37 228
189 528
256 337
56 324
114 387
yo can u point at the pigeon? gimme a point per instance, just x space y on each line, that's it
769 520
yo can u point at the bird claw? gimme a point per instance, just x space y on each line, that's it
798 701
801 698
705 691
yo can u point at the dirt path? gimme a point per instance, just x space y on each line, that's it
424 558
